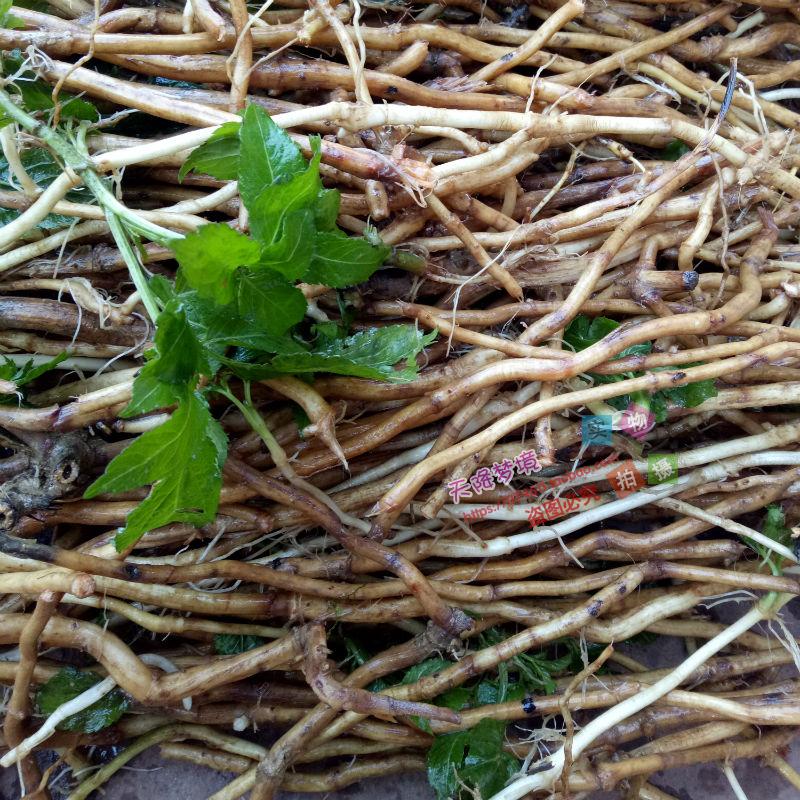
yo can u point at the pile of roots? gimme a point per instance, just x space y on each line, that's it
595 206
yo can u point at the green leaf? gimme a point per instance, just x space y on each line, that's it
457 698
8 20
445 757
37 96
182 460
268 155
583 332
428 667
371 353
474 758
691 395
230 644
774 527
536 672
341 260
25 373
291 253
270 209
674 150
162 289
67 684
269 301
219 327
209 256
326 210
487 767
43 169
357 654
218 156
172 370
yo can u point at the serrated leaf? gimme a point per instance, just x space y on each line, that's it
269 301
367 354
231 644
291 254
25 373
210 256
67 684
341 260
270 209
474 758
267 156
181 460
219 327
218 156
171 373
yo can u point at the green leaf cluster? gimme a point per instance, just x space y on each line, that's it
67 684
583 332
292 217
461 762
234 308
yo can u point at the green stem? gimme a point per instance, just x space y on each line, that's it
255 420
131 259
119 217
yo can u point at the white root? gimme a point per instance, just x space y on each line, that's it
550 769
